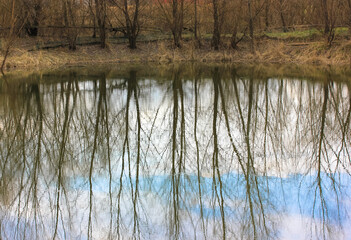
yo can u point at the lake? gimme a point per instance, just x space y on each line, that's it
189 151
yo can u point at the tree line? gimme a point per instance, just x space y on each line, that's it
199 18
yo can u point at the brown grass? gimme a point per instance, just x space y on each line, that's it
267 51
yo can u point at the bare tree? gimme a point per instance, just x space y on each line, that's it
251 27
216 38
348 7
131 12
93 16
266 14
234 41
324 5
174 18
69 17
196 22
14 29
281 12
33 9
101 15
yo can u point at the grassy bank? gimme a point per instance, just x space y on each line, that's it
270 48
183 70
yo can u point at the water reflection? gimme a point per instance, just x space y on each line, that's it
195 153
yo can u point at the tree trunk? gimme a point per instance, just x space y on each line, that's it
349 15
132 25
135 26
283 22
282 16
5 58
132 42
31 25
266 17
326 16
102 32
177 21
251 30
181 20
69 22
100 6
135 29
195 21
216 38
94 18
176 39
15 29
233 40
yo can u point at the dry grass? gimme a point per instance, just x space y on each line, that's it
267 51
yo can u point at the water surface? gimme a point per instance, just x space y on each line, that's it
176 152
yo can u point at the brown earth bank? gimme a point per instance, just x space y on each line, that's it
22 56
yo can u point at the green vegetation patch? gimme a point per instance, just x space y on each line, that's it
304 34
299 34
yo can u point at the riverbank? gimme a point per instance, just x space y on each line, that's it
266 51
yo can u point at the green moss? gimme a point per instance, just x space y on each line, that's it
299 34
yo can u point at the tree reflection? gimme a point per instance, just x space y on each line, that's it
217 182
207 155
176 171
198 167
132 93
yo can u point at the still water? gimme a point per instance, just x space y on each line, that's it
176 152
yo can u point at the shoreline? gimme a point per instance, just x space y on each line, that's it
268 51
185 70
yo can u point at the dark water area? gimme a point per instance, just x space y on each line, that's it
176 152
